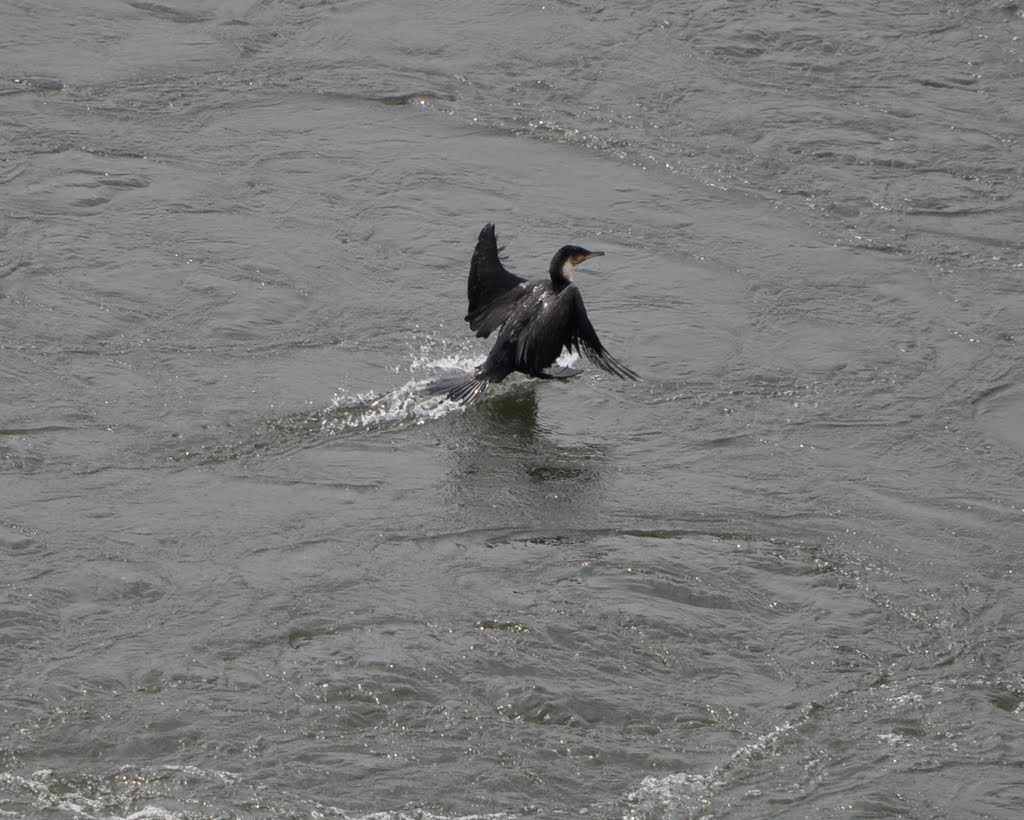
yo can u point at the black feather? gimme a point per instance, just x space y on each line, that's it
536 320
489 282
463 389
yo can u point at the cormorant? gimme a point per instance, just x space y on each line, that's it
537 320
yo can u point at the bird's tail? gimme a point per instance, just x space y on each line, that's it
463 389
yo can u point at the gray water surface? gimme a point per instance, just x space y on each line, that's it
247 567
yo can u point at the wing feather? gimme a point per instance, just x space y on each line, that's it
492 315
489 282
561 324
585 337
545 330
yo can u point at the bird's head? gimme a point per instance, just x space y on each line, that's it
567 258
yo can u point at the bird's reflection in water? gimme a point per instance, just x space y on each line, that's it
514 414
507 465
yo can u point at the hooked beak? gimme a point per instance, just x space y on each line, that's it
592 254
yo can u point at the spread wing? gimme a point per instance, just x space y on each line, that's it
493 315
489 281
563 323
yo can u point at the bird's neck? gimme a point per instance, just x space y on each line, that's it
561 276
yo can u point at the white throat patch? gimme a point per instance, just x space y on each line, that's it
567 269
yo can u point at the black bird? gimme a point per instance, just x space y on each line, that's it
538 319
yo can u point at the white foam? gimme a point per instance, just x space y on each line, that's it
49 792
152 813
38 785
443 354
567 359
453 361
408 404
680 792
686 794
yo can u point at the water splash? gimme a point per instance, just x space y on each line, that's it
353 413
408 404
690 795
347 413
366 411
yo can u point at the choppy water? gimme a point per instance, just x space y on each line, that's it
248 570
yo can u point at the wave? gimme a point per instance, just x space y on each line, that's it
137 792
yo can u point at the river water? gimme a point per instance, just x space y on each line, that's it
247 568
